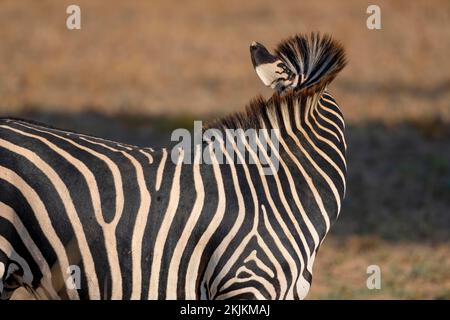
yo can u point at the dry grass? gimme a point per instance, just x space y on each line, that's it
408 270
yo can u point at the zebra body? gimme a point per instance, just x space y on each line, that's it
141 226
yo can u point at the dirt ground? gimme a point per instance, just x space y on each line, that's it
138 69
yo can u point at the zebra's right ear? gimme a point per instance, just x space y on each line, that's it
271 70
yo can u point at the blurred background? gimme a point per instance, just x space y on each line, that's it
138 69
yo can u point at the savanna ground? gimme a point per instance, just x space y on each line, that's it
139 69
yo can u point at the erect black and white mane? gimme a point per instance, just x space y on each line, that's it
302 66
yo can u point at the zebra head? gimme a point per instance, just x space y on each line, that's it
299 62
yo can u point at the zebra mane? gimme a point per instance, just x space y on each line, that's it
316 59
256 112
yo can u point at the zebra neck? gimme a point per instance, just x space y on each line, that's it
291 116
311 132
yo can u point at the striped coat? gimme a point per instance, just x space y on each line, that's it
134 224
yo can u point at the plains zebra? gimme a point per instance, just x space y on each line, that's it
140 226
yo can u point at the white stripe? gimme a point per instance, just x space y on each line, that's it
182 242
159 172
124 146
216 219
163 231
147 155
139 229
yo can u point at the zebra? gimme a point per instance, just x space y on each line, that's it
137 225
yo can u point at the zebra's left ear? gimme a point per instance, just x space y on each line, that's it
272 71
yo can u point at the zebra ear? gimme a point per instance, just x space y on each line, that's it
271 70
